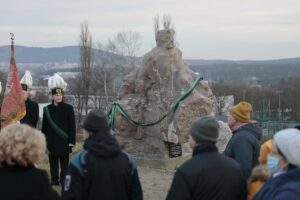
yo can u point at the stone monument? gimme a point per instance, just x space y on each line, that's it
148 92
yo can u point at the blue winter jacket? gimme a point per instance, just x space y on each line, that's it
285 186
244 147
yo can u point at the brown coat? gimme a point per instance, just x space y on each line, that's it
253 188
259 175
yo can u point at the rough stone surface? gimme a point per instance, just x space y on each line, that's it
148 92
224 136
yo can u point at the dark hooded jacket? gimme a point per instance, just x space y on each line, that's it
102 171
24 183
208 175
244 147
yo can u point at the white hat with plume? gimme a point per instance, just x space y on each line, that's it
26 80
56 81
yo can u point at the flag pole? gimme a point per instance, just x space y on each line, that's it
12 48
13 107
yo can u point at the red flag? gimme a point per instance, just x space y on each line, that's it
13 108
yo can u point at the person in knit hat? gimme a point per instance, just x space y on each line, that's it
284 160
244 146
208 174
101 170
241 112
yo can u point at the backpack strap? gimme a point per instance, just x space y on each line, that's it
131 162
78 161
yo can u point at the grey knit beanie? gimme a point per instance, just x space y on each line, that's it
288 142
96 121
205 129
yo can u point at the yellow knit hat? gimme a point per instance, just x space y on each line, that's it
241 112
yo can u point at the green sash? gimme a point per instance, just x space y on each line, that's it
174 106
56 128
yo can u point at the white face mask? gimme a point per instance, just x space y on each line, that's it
273 164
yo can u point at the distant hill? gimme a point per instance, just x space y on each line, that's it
69 54
264 71
242 62
63 59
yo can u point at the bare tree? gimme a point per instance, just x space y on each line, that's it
101 74
83 81
114 60
104 66
125 45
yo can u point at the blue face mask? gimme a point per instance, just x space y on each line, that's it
273 164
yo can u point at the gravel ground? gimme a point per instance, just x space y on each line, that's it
155 182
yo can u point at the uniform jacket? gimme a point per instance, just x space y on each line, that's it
32 113
24 183
285 186
63 116
102 171
208 175
244 147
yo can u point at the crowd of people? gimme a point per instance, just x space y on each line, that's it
102 170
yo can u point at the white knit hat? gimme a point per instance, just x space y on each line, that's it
288 142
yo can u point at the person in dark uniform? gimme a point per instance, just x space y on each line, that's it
32 109
59 128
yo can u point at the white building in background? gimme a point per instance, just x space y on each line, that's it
68 75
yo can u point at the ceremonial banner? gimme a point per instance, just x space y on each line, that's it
13 108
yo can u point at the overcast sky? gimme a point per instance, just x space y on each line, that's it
205 29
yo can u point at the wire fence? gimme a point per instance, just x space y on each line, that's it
271 127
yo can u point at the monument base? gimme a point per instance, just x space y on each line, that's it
165 162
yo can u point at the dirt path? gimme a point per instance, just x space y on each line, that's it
155 182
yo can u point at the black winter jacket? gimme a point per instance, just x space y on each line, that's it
32 113
244 147
63 116
208 175
24 183
102 171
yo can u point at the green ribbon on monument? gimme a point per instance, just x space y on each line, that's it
173 107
